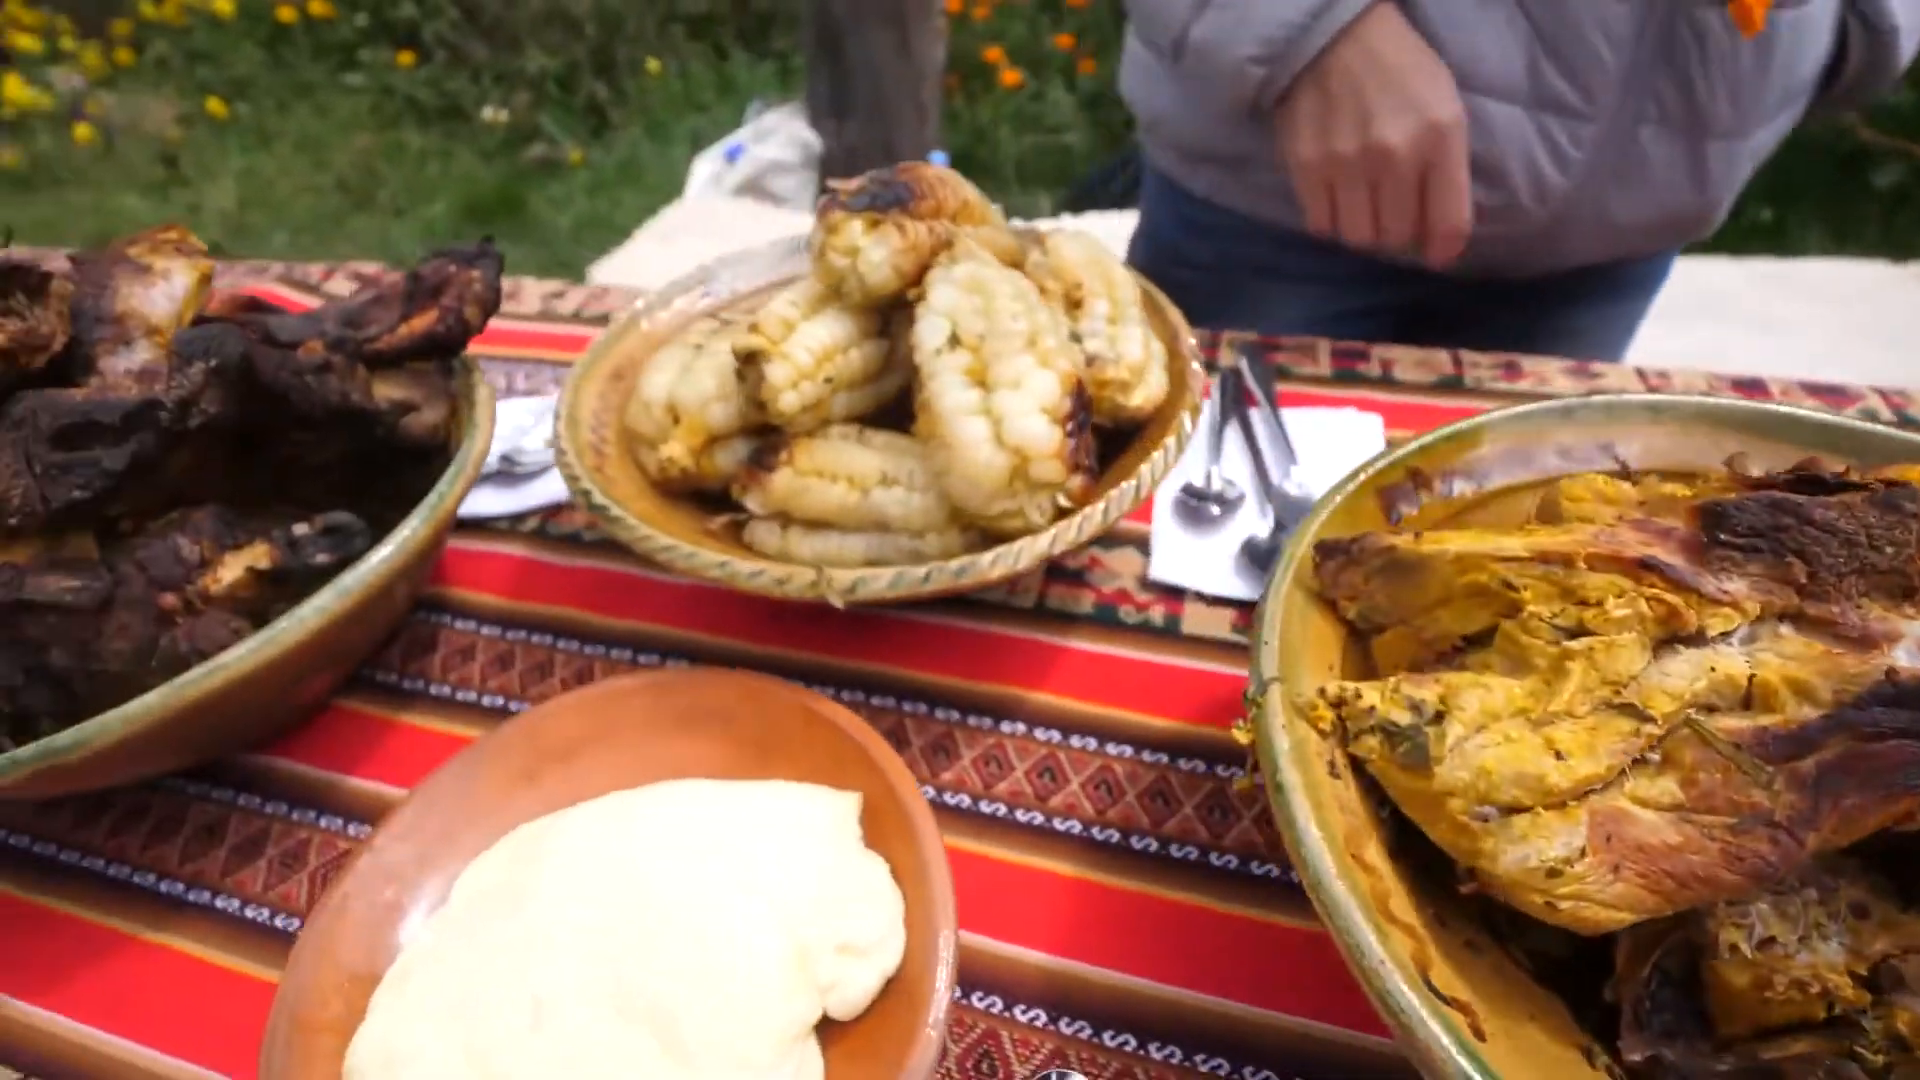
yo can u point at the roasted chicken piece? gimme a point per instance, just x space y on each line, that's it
35 319
81 634
1812 978
1609 723
1126 361
811 360
1000 400
875 235
691 418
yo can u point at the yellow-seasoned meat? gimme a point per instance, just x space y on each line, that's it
875 235
811 360
687 401
1126 360
848 477
819 545
1000 400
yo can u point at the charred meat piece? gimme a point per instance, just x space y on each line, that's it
35 319
78 637
431 312
1810 979
65 452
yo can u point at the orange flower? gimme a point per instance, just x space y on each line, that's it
1065 42
995 55
1078 3
956 7
1749 15
981 12
1086 65
1012 78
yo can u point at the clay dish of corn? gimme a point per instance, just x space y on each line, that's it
917 399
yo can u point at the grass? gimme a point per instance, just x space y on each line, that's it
360 133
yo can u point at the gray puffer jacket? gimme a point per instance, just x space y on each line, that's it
1600 130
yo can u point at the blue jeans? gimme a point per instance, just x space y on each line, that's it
1227 271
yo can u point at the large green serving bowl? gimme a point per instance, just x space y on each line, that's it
1460 1006
279 676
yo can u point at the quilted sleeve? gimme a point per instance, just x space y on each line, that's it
1246 51
1878 39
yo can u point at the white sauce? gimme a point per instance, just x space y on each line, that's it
687 930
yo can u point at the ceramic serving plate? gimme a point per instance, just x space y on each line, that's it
679 533
278 676
616 734
1460 1006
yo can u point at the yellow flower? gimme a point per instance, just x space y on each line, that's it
23 43
120 29
216 107
654 66
1012 78
286 14
12 158
93 59
224 10
576 157
148 10
19 95
995 55
67 43
124 56
321 9
1065 42
26 18
83 133
406 59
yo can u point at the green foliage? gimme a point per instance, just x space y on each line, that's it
377 128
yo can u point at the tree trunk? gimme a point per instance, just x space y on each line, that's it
874 71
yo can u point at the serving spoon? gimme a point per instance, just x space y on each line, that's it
1214 496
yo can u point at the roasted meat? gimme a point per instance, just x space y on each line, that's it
1813 978
175 471
1609 721
35 319
81 634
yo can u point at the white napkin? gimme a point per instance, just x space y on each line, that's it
523 425
1330 443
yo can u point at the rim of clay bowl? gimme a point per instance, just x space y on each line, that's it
405 542
1425 1030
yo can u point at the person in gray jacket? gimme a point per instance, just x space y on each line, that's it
1512 175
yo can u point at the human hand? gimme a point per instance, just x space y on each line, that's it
1374 137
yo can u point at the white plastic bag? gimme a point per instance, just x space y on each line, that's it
772 157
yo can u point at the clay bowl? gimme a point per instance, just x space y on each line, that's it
280 675
1460 1005
616 734
679 533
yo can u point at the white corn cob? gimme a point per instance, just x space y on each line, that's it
875 235
812 361
999 401
715 467
687 402
848 477
1126 361
818 545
